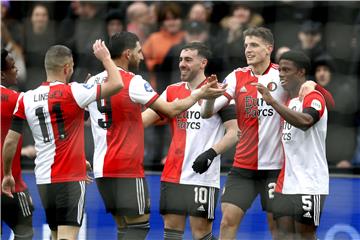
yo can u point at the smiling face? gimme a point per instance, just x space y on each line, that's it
290 75
191 64
256 50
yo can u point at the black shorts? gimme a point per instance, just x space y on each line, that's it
17 212
183 199
124 196
63 203
243 185
305 209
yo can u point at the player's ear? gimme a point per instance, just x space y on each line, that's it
204 62
127 53
3 76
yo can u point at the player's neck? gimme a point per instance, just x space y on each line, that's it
260 68
293 93
56 78
124 64
196 81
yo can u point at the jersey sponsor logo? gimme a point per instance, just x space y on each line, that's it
316 104
45 96
286 134
88 85
272 86
252 110
188 120
243 89
148 87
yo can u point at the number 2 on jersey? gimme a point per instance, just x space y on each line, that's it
39 112
104 107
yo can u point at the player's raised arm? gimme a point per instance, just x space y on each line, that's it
114 82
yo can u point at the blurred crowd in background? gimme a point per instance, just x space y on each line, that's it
328 32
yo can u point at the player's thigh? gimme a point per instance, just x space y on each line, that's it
184 199
63 203
125 196
308 209
266 186
17 213
240 189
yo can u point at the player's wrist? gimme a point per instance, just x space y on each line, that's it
196 94
212 153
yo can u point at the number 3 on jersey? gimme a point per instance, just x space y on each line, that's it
104 107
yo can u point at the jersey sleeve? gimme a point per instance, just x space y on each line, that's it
140 91
231 82
19 110
316 101
330 102
85 93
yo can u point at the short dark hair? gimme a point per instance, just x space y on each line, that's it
122 41
261 32
56 57
299 59
4 54
202 49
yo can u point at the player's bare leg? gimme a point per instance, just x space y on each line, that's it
285 228
174 226
272 224
67 232
201 228
121 226
137 227
305 231
232 216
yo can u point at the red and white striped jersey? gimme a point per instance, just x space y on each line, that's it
259 147
305 170
55 113
192 135
8 103
117 127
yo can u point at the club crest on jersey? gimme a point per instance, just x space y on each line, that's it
87 85
148 87
272 86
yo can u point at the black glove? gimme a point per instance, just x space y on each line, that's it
204 160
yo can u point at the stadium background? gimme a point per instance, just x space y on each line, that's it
340 31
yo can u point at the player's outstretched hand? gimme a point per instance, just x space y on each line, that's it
8 186
264 92
306 88
100 50
204 160
212 89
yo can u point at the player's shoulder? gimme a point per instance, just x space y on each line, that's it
177 85
242 69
